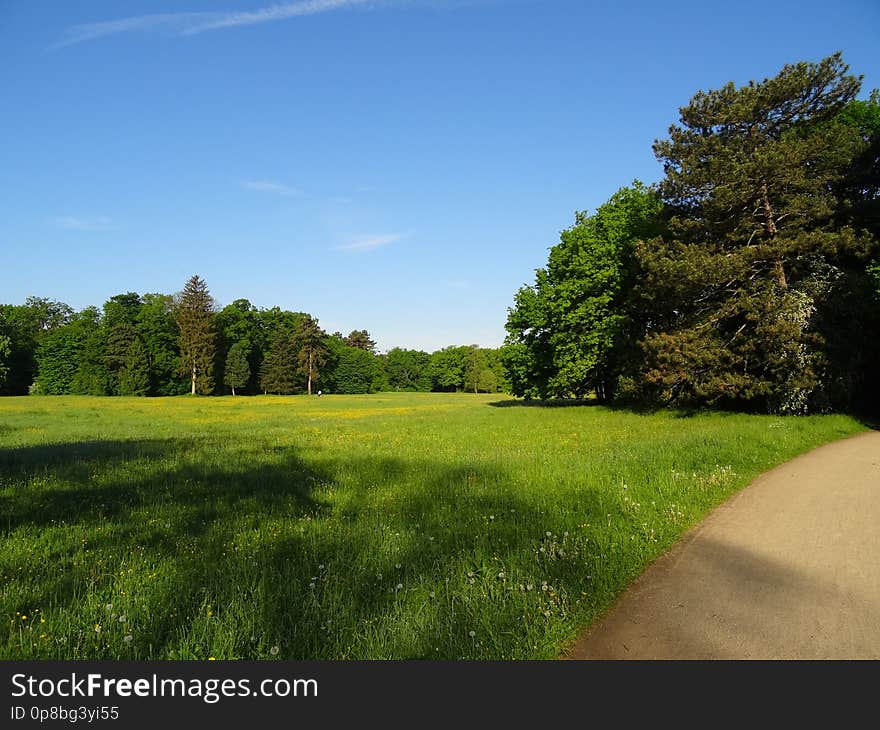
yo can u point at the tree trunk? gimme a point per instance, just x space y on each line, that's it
233 390
310 373
193 391
769 223
779 273
770 227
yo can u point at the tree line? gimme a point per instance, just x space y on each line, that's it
748 277
159 344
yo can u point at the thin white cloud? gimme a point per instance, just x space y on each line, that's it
173 23
272 14
267 186
193 23
72 223
372 241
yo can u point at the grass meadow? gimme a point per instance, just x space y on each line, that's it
448 526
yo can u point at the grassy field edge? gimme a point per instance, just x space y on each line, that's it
384 526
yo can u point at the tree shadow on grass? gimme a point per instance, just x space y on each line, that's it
238 551
757 606
869 421
628 407
76 483
546 403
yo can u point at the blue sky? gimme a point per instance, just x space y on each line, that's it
395 165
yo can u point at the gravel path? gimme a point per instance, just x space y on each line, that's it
788 568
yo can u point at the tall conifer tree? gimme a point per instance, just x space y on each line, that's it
134 377
312 350
362 340
195 318
278 371
752 238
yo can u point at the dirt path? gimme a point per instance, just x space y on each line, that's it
789 568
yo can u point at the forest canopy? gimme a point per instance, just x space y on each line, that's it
748 277
162 344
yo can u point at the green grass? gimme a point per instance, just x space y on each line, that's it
384 526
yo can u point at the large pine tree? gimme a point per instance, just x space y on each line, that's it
752 240
362 340
312 350
194 312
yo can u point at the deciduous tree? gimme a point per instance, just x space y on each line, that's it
408 369
238 370
357 371
26 325
447 368
60 350
567 331
157 328
241 322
